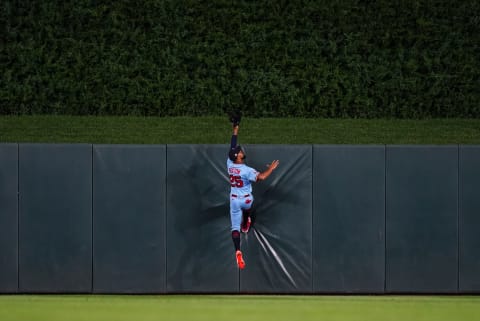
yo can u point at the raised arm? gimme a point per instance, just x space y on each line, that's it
235 117
233 141
263 175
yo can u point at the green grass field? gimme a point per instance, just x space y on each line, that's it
237 307
216 130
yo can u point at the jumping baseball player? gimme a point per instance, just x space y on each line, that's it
241 198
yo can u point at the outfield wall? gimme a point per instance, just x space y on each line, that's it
82 218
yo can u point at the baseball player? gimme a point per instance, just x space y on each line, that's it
241 198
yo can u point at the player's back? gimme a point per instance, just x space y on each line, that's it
241 178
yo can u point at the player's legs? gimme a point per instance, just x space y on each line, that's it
236 219
246 221
235 214
246 210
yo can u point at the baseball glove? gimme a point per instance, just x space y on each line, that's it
235 117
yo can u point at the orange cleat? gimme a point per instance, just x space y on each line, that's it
240 261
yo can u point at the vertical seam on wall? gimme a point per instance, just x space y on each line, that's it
458 218
311 222
385 221
92 209
165 221
18 218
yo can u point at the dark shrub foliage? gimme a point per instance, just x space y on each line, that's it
277 58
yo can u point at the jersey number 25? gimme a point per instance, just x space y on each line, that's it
236 181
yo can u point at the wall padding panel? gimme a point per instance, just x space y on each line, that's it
278 249
55 217
422 227
349 219
200 254
129 209
8 218
469 219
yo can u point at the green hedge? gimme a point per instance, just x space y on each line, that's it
280 58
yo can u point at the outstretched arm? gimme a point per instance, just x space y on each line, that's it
235 117
263 175
233 141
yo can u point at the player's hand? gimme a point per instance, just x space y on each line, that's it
273 165
235 117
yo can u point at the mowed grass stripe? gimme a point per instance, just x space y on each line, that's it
237 307
217 130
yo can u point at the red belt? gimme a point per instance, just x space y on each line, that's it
235 195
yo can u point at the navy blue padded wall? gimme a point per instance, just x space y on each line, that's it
278 249
200 255
55 218
469 219
421 217
8 218
129 218
349 219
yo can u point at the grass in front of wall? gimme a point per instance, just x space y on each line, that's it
217 130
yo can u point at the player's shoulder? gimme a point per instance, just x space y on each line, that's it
230 163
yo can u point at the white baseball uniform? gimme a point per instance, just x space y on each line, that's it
241 198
